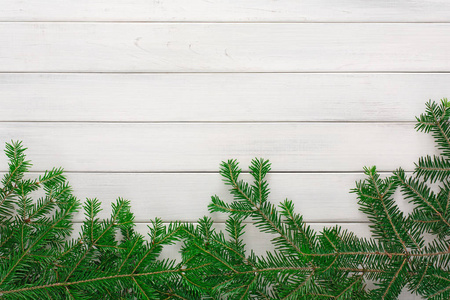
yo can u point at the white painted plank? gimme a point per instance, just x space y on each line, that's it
186 196
254 239
145 147
218 97
235 47
223 10
175 196
260 241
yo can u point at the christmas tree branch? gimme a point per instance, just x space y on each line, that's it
110 260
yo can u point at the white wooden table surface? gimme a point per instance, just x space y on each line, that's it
144 99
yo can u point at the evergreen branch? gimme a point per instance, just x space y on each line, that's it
154 245
143 293
394 278
261 294
299 286
94 243
11 269
128 255
110 260
358 279
362 270
435 119
71 283
419 194
440 277
231 176
437 123
440 292
277 269
230 249
382 201
337 252
217 258
248 287
170 295
422 277
287 208
432 168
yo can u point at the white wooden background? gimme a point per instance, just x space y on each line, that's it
144 98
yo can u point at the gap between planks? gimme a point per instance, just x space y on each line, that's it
36 172
230 22
227 72
248 222
209 122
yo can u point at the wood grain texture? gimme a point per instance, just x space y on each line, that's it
218 97
224 11
186 196
194 47
145 147
157 137
254 239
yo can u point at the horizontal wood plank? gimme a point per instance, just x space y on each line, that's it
254 239
201 47
218 97
186 196
223 10
260 241
154 147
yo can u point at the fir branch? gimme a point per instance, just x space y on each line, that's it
38 262
435 120
432 168
420 194
336 253
80 282
109 260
